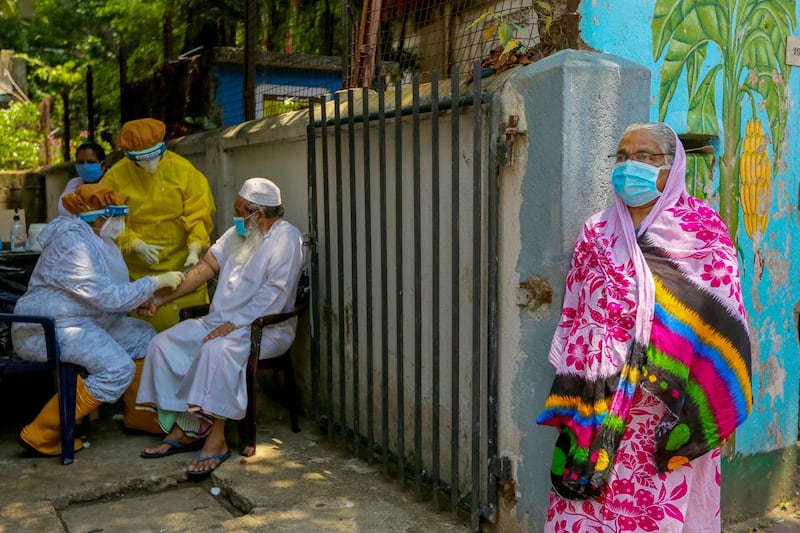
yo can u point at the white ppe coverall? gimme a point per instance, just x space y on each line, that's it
82 282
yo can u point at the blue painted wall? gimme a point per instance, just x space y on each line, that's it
229 85
770 273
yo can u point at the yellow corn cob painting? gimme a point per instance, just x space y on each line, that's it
755 179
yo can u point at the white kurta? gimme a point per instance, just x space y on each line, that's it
82 282
180 370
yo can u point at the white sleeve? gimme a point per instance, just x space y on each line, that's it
78 268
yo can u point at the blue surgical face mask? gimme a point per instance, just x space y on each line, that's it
238 223
90 172
635 182
241 227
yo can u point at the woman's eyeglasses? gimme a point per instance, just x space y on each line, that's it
640 157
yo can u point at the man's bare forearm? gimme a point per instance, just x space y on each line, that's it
199 274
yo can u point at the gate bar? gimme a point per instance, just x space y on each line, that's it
436 251
368 273
351 152
340 264
313 250
398 183
328 269
477 296
417 289
384 283
492 325
455 259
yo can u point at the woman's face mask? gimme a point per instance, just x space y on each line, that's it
112 227
90 172
635 182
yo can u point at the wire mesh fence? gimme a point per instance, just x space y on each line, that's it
376 42
396 38
309 49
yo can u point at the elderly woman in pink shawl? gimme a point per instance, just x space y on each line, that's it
652 354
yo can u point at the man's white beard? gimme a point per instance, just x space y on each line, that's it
242 249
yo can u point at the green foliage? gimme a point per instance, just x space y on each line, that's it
302 26
8 8
278 107
54 77
65 37
19 129
505 32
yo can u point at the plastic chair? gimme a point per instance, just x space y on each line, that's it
282 363
66 373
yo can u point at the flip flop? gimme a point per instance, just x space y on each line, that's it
199 475
174 447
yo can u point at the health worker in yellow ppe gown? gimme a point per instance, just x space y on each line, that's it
171 211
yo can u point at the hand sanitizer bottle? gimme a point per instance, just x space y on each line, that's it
19 237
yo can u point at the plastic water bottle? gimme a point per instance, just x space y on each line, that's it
19 237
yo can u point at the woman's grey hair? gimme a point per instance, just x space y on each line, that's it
665 137
272 211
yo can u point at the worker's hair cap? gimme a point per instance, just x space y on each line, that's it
92 197
141 135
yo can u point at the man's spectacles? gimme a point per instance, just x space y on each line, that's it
641 157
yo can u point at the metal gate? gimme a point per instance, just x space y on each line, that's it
402 209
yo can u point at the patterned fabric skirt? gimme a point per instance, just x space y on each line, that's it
636 497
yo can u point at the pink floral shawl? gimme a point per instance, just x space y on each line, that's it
600 347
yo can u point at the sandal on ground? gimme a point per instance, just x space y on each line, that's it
174 447
198 475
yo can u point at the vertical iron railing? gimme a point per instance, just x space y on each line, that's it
417 192
353 318
368 268
477 331
455 240
443 293
313 229
384 310
435 323
399 325
340 323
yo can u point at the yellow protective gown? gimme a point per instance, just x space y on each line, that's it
171 207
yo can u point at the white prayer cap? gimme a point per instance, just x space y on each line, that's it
261 191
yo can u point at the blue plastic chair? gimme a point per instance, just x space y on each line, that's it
66 373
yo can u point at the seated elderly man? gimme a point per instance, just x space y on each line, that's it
82 282
194 374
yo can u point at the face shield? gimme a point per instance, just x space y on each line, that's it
108 211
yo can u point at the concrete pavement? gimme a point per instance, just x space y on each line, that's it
295 482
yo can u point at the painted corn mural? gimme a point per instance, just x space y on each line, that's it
755 179
747 39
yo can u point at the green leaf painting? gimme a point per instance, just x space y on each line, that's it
749 37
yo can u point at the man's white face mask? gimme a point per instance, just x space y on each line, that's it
112 227
150 165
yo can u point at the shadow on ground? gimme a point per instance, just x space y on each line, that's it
295 482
